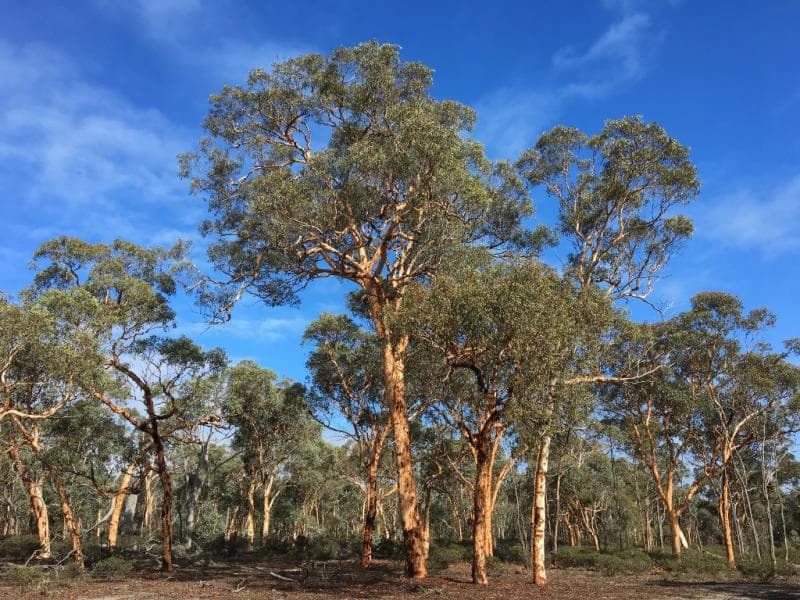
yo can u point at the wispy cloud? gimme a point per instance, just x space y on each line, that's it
269 329
767 221
77 141
217 56
513 117
616 57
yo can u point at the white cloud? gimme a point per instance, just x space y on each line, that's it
509 119
76 141
765 221
269 329
616 57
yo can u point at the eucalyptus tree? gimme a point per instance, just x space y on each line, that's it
345 368
736 378
271 421
616 192
122 291
45 356
496 332
386 189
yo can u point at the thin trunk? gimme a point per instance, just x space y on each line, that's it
725 517
539 517
33 488
742 477
231 526
557 511
371 501
267 500
73 526
250 517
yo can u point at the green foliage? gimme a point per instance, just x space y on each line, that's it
26 576
113 567
209 527
397 188
443 554
18 547
615 191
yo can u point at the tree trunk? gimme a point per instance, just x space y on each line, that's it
267 501
166 501
370 515
231 526
149 504
539 517
250 517
481 501
119 503
33 488
69 520
725 517
678 540
394 378
554 543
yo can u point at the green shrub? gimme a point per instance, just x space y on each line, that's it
511 552
112 567
442 554
18 546
209 527
389 549
26 576
610 563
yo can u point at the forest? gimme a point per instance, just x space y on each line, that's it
482 413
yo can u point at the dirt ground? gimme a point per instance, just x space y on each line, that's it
317 581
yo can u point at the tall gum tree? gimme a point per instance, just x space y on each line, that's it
616 192
345 166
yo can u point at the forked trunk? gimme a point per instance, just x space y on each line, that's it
540 514
678 539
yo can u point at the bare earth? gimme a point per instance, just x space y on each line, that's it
316 581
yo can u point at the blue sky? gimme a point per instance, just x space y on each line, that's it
97 98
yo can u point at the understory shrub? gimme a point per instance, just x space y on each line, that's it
112 567
22 576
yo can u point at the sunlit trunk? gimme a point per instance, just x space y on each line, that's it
394 377
725 518
250 516
72 525
33 488
119 504
539 517
481 508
